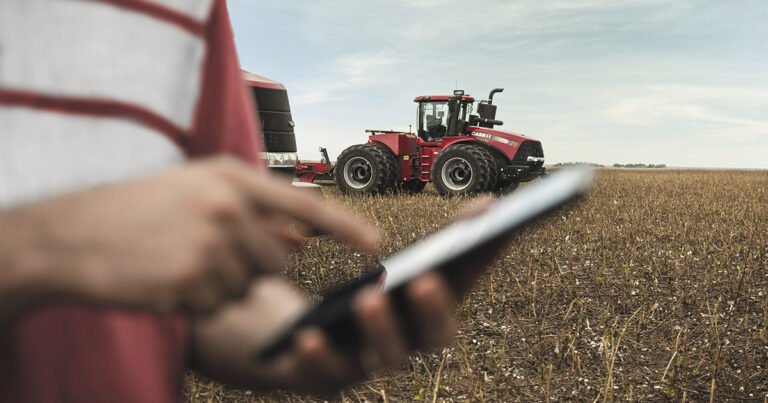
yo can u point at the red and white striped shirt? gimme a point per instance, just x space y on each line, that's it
93 92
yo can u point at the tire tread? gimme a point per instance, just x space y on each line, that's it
382 161
486 177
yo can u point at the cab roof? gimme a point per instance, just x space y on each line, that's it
427 98
255 80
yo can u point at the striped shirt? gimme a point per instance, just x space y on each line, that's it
93 92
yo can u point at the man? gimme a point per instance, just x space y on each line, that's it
121 262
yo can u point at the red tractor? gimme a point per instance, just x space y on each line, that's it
460 153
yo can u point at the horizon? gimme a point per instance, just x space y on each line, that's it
679 84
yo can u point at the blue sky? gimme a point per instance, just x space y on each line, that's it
677 82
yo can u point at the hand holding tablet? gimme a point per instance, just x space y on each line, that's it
452 251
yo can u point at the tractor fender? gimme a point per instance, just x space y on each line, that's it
502 159
398 143
450 141
498 155
386 144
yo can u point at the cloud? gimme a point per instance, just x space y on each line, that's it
354 70
445 24
709 111
309 97
362 67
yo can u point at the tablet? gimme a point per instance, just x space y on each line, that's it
440 251
507 214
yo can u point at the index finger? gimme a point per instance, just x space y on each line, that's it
266 192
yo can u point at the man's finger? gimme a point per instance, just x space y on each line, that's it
384 345
286 229
260 246
316 356
203 294
266 193
433 303
233 270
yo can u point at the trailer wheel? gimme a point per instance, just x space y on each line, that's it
364 169
464 169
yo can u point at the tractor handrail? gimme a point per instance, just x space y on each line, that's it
383 131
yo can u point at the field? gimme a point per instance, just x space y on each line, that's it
654 287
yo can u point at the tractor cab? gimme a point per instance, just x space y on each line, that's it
443 116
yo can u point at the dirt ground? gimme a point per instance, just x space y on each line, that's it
655 287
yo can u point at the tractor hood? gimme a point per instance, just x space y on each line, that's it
512 139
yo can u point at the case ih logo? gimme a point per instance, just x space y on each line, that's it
489 136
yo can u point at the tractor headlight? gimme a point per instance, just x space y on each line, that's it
280 160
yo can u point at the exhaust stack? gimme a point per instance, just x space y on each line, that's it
493 92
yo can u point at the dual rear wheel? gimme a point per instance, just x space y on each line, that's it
464 169
366 169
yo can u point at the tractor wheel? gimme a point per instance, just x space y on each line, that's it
464 169
412 186
364 169
393 169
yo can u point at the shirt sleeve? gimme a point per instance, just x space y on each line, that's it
227 118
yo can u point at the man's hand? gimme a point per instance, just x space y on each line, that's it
226 343
187 238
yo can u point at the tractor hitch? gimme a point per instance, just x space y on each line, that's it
521 173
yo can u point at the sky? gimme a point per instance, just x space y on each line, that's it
682 83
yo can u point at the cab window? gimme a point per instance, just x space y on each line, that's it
433 120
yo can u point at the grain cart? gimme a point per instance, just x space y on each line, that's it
276 123
459 152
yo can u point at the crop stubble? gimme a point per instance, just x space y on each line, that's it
654 287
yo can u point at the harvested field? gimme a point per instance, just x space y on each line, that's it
655 287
